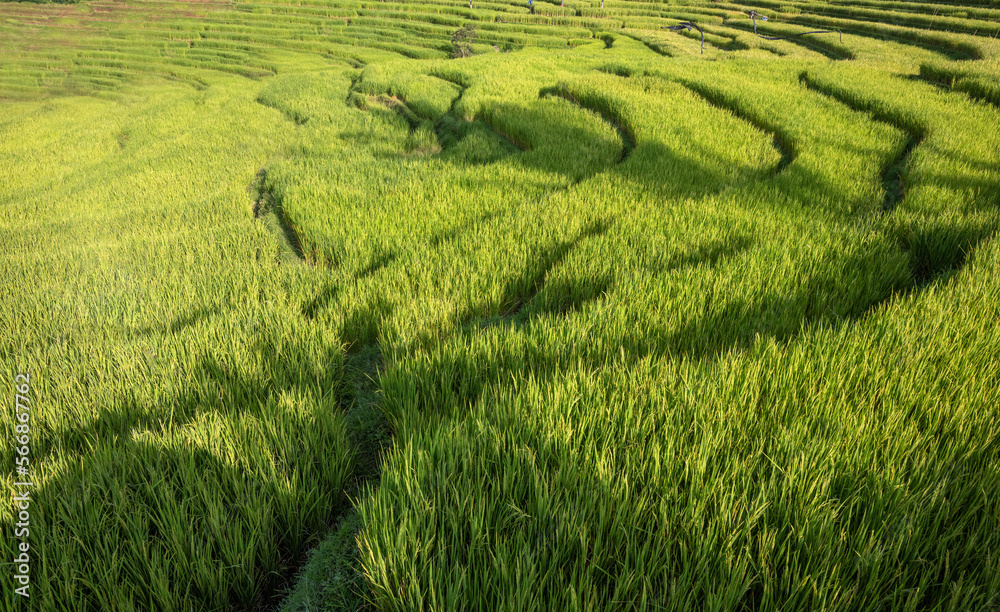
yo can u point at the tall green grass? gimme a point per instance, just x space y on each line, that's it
187 444
603 323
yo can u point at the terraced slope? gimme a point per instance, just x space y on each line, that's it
599 317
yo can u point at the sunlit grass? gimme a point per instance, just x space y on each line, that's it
588 320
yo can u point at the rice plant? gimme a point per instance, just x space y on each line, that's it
610 305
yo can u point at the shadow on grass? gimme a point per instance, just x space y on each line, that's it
180 323
331 290
203 500
457 372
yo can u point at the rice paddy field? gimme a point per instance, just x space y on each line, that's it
507 305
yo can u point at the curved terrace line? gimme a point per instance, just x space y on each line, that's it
754 16
655 48
485 120
689 25
780 141
922 40
266 204
892 173
838 12
960 83
924 267
296 118
833 52
732 45
457 83
625 133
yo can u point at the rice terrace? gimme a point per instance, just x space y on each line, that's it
524 305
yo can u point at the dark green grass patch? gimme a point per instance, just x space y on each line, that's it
585 319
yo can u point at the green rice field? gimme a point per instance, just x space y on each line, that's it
439 305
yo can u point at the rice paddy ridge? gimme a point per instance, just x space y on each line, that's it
589 299
505 311
866 308
893 176
389 26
